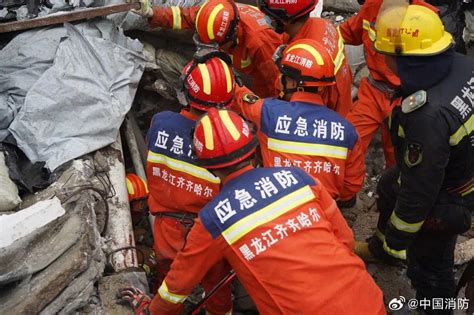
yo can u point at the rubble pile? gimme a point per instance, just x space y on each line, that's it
67 242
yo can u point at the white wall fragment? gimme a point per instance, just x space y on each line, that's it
19 224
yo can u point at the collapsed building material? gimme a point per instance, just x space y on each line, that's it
67 17
341 5
78 104
110 285
119 234
464 252
9 198
24 222
50 259
134 150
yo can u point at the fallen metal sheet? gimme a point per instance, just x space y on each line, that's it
62 17
78 104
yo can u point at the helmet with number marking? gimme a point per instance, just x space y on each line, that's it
222 138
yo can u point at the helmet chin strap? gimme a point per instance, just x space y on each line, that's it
298 88
279 27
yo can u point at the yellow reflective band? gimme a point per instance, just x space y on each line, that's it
212 18
400 254
463 131
229 124
208 137
206 79
270 212
401 131
365 24
145 184
181 166
311 50
227 75
340 54
379 235
404 226
245 63
307 148
130 189
170 297
370 31
467 192
176 18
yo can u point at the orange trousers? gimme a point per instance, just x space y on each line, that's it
170 238
368 114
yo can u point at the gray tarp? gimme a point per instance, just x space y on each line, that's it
78 104
22 62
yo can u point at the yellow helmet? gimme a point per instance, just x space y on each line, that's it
412 30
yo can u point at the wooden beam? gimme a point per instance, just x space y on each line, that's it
61 17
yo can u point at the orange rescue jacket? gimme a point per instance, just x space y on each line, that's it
306 134
287 241
337 97
257 42
360 29
174 181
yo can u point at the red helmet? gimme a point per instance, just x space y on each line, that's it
222 138
216 21
286 10
136 187
209 82
306 61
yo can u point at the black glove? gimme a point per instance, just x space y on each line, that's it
342 204
376 249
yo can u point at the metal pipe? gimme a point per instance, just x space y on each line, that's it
121 243
130 138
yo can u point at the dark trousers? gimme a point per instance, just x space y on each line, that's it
430 257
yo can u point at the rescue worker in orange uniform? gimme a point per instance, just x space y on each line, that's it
279 229
376 95
300 130
178 187
293 18
240 30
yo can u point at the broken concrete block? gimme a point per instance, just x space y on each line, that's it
49 282
341 5
79 291
18 225
464 252
9 198
150 55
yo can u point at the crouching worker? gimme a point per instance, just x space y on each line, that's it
300 130
426 200
279 229
178 187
